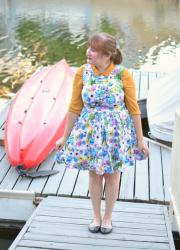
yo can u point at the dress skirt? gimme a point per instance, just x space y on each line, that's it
103 138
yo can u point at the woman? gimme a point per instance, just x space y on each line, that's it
103 132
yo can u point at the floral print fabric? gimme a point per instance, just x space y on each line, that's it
103 138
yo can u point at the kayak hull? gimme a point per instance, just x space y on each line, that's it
37 116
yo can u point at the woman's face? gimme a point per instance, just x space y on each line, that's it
95 57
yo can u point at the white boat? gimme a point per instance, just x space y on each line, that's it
162 101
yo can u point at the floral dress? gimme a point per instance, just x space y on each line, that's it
103 138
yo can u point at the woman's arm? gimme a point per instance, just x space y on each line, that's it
141 144
71 118
74 110
138 126
133 107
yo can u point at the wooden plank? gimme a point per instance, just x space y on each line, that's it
143 86
156 178
71 213
73 247
118 232
2 153
37 184
85 221
54 229
12 194
52 185
138 212
5 167
10 179
88 212
3 126
127 217
1 136
29 248
166 162
81 187
84 233
127 184
95 241
118 208
130 216
142 180
126 206
68 182
8 175
65 246
22 183
169 229
136 77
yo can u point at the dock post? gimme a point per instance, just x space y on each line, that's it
175 173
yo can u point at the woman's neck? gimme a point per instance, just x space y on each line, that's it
101 68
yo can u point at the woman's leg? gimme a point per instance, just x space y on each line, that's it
111 195
95 189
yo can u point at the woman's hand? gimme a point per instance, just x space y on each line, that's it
70 121
60 143
143 148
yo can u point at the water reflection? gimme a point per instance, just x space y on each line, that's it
35 33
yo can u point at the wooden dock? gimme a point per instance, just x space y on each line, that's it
146 181
61 223
61 219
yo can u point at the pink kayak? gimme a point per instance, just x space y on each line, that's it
38 114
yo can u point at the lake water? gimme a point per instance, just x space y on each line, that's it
40 32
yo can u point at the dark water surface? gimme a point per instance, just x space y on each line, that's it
7 236
40 32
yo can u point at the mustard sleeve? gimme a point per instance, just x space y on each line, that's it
76 103
129 87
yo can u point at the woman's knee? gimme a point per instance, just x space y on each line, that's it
114 178
94 176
